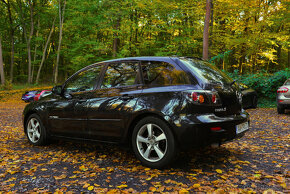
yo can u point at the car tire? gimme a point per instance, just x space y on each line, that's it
35 131
153 143
254 102
280 109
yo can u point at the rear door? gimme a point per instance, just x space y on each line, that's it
111 106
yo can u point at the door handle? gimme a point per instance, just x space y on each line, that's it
126 97
81 101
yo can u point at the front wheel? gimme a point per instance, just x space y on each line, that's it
153 142
35 131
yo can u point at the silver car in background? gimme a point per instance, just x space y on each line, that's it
283 97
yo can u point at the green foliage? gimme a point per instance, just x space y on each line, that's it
245 35
264 83
7 86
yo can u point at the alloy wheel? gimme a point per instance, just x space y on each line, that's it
151 142
33 130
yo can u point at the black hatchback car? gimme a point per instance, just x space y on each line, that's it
158 104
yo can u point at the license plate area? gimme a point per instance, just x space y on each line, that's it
242 127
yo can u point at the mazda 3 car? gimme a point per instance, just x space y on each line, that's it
283 97
157 104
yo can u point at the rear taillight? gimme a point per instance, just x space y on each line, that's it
197 97
282 90
204 97
36 97
213 98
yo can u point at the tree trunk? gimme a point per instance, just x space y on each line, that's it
29 41
61 19
11 37
116 39
35 51
206 29
288 64
1 65
44 52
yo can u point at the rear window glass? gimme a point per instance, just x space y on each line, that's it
207 71
121 74
287 82
159 73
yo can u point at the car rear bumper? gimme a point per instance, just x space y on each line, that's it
283 99
201 130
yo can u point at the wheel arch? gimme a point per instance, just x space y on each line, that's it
26 116
135 120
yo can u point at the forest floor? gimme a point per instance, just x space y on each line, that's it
256 163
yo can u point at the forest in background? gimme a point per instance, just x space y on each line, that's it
45 41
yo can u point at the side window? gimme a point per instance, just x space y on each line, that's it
121 74
161 74
84 81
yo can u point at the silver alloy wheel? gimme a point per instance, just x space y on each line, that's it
151 142
33 130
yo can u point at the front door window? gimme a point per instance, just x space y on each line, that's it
84 81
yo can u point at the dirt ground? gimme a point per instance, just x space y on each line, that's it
257 162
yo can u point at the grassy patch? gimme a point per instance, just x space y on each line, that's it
27 87
266 103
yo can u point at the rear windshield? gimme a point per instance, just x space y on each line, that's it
287 82
206 71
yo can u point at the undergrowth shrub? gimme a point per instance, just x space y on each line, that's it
265 84
7 86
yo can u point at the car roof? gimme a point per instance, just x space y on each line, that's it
145 58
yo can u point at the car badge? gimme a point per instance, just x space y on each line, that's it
220 109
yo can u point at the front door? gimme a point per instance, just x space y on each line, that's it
68 114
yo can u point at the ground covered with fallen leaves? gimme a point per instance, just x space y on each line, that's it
256 163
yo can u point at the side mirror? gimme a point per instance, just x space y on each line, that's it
57 90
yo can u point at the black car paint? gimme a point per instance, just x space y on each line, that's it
250 96
110 114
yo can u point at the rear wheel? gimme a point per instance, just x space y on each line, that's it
35 131
280 109
153 142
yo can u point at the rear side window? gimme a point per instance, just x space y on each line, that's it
157 73
120 75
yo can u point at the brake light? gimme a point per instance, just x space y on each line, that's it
196 97
36 97
204 97
215 128
282 90
213 98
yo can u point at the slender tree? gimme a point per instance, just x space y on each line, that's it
29 40
61 20
1 65
44 51
12 32
206 30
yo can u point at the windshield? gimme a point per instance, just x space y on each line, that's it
207 71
